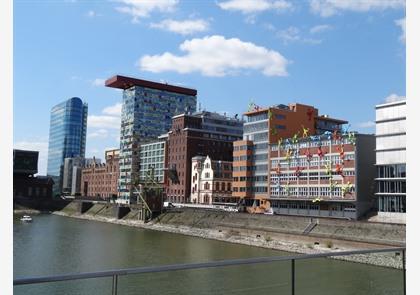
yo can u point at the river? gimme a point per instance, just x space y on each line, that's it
53 245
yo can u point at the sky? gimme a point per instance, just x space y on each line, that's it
341 56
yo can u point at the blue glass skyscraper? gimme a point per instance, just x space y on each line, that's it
67 137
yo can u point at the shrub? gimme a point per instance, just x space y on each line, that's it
329 244
268 239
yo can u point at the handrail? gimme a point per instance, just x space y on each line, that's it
188 266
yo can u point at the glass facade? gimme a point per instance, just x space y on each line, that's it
256 130
152 156
391 157
67 137
146 114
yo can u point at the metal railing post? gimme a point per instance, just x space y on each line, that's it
403 265
201 265
114 284
293 277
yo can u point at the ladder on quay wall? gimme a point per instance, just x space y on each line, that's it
310 226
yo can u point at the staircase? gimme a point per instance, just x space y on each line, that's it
310 226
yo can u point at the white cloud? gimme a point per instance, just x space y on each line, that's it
185 27
91 13
100 133
102 121
368 124
292 34
251 19
393 98
269 27
114 110
143 8
39 145
217 56
401 24
319 29
326 8
98 82
107 124
254 6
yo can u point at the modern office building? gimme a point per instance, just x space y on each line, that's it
25 183
211 181
147 111
101 179
266 126
67 137
199 134
330 175
152 161
391 160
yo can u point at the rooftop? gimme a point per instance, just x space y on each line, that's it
390 104
123 82
327 118
207 114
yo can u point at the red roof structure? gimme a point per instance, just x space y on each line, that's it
123 82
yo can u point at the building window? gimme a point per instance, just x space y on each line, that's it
392 204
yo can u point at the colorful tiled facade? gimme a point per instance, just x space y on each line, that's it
263 127
330 175
147 111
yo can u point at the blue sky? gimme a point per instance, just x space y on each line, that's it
342 56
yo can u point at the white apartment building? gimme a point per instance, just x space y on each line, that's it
211 181
391 160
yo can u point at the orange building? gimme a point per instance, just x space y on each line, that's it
263 127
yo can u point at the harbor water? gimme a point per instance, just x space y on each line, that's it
53 245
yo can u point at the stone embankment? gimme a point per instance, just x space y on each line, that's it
274 232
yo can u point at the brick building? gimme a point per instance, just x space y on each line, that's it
101 180
199 134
